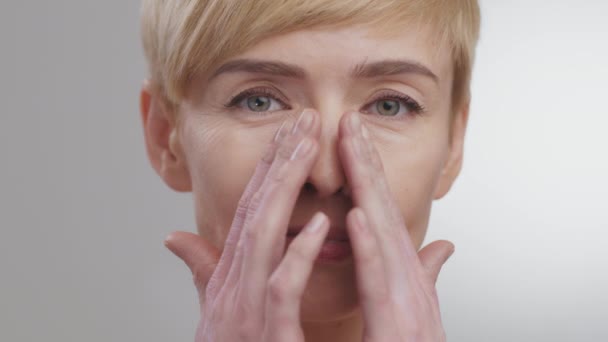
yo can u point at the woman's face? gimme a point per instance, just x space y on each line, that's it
400 84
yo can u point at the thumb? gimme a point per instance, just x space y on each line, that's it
434 255
200 256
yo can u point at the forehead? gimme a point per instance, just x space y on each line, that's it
336 50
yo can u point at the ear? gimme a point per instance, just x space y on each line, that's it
162 143
453 164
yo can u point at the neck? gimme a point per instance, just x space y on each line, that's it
348 329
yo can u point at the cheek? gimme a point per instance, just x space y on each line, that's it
412 170
222 157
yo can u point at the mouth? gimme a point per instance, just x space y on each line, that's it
335 248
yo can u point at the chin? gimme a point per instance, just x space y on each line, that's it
331 293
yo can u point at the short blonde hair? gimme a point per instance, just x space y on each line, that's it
183 38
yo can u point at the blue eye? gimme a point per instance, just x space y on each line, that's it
257 100
394 105
388 107
259 103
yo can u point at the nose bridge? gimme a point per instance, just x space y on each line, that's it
327 175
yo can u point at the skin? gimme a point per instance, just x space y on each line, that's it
371 175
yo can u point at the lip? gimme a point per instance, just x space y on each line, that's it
335 248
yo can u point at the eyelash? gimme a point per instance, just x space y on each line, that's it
410 104
237 99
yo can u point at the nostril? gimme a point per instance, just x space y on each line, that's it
345 190
309 187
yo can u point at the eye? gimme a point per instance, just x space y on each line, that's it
257 100
261 103
394 105
388 107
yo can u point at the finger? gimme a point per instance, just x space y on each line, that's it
230 246
434 256
198 254
371 193
370 186
370 271
265 230
288 282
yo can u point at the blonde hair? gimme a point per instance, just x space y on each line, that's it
183 38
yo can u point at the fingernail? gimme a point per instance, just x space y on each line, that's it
314 226
452 250
364 132
304 122
279 134
302 149
355 123
167 241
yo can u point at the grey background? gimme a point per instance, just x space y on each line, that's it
83 216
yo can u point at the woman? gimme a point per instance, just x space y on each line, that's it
314 136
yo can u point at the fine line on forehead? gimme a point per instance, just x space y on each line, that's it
363 70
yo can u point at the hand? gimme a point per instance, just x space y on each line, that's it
396 284
253 289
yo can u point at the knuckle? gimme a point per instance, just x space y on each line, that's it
284 151
278 172
251 235
244 202
240 247
241 210
255 202
268 156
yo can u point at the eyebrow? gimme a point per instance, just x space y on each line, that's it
363 70
392 68
261 67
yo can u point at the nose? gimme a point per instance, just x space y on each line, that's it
327 176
